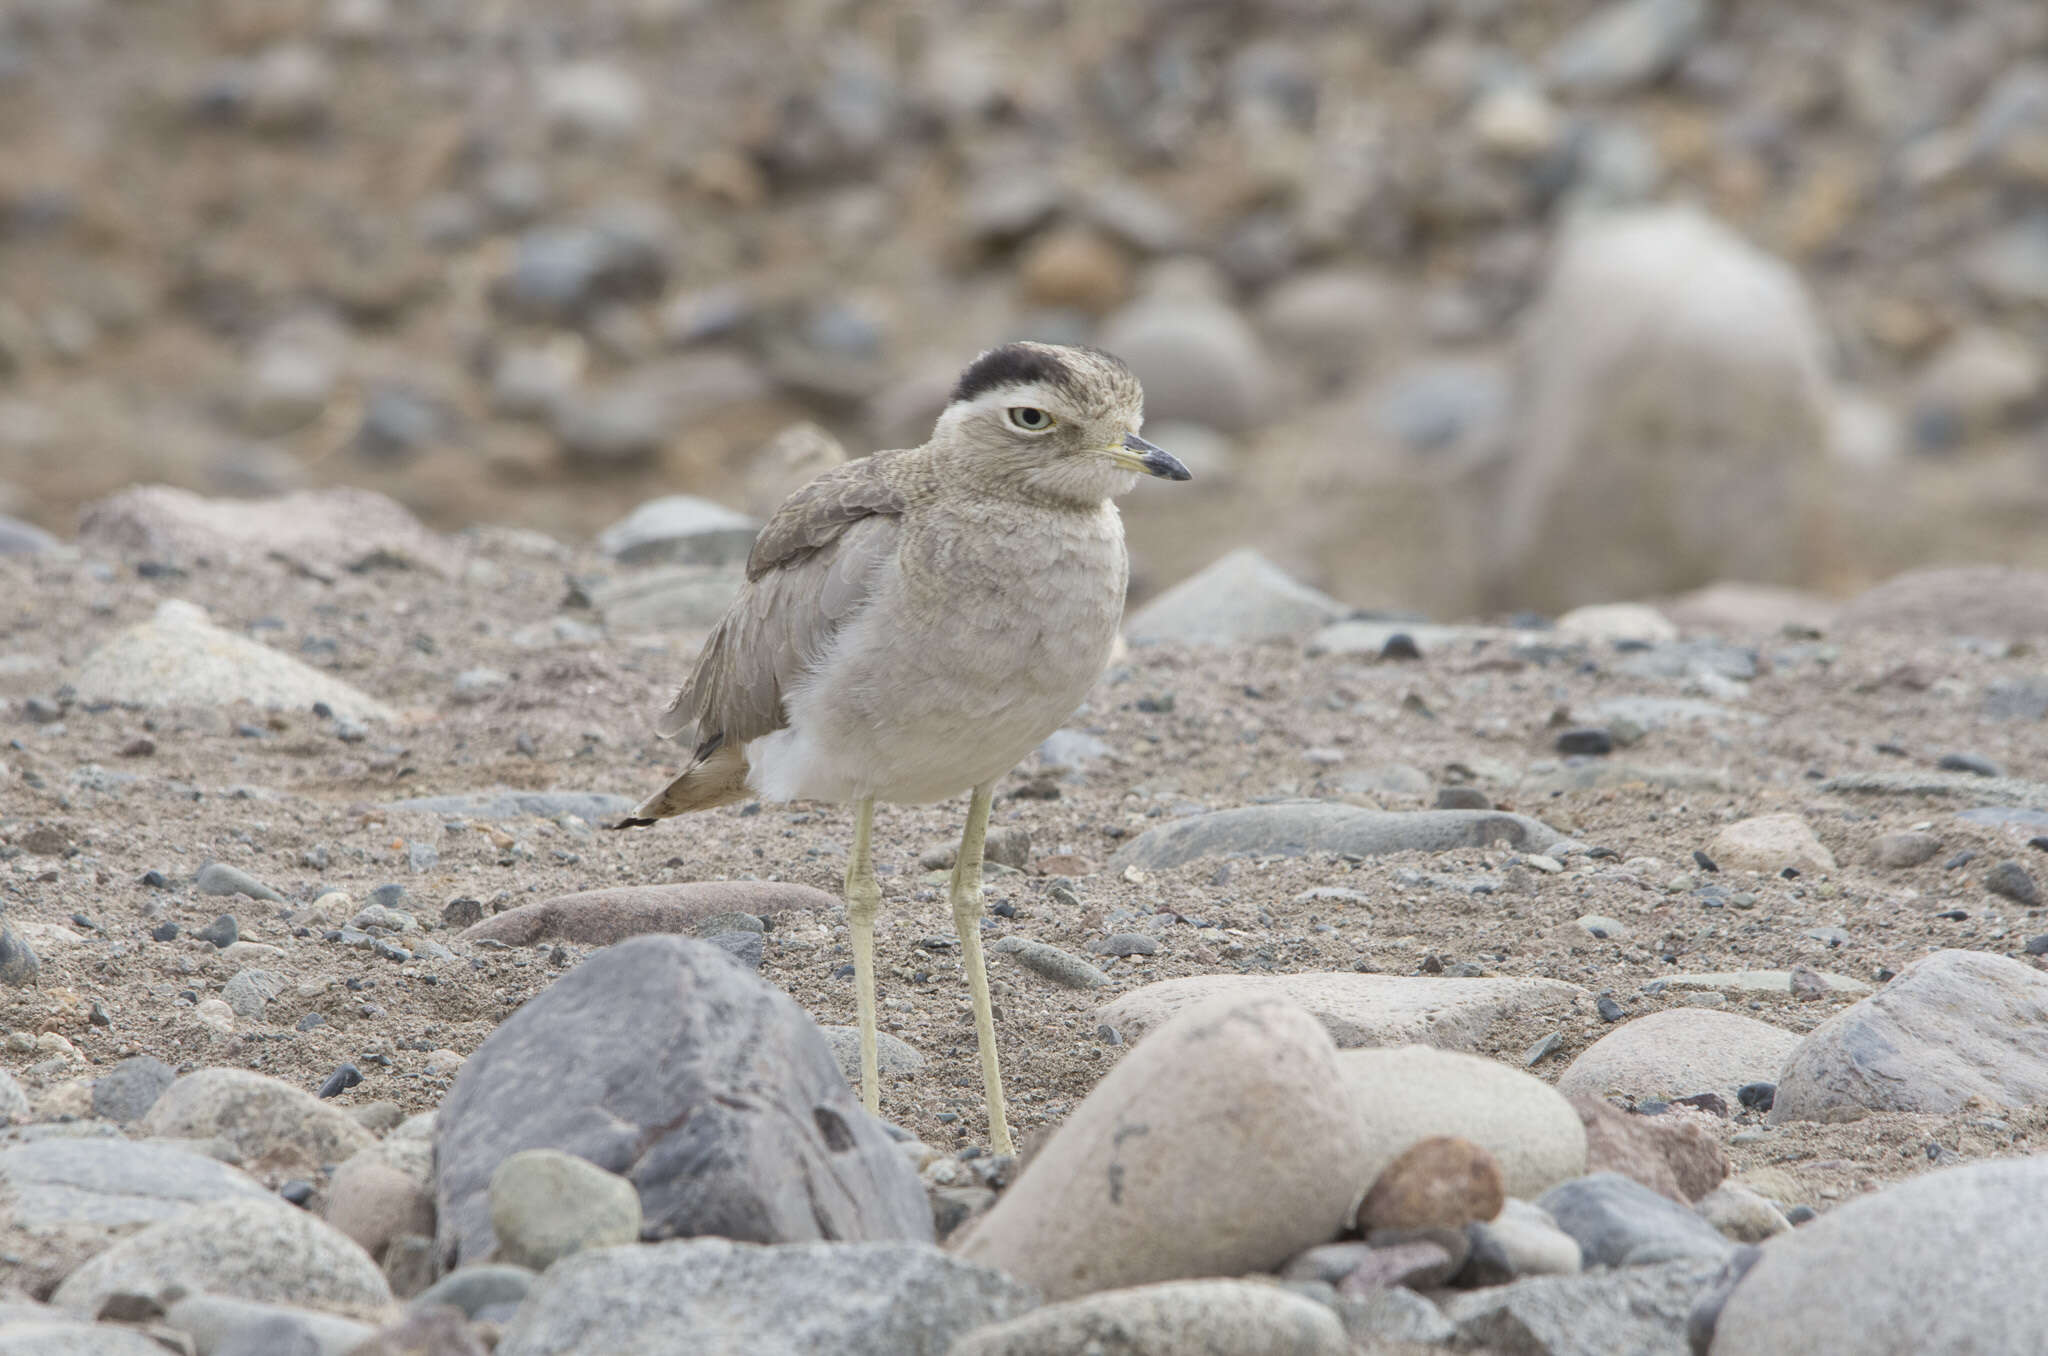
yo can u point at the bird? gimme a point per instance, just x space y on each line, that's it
914 623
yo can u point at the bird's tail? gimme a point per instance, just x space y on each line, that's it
719 778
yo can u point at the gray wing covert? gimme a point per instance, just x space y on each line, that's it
812 568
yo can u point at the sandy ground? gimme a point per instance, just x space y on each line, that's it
281 796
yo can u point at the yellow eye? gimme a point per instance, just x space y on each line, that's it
1028 419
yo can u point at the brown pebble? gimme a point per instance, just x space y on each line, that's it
1439 1183
1674 1155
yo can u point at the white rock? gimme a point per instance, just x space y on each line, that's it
593 100
1241 597
1607 622
1770 843
1177 1318
1679 1052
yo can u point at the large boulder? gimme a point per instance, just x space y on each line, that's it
1952 1026
1225 1143
664 1061
278 1130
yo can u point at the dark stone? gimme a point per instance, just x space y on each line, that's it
1704 862
1706 1311
223 932
1462 798
18 963
1588 741
666 1062
2038 946
1620 1222
127 1091
164 932
298 1192
462 913
1801 1214
156 880
388 896
1970 762
744 947
2010 879
344 1077
1400 645
1710 1102
1757 1096
1609 1010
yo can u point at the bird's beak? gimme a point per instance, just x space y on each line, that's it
1138 455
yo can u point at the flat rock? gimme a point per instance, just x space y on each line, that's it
1176 1318
1953 785
592 806
325 531
850 1299
277 1130
1678 1052
669 1064
1905 849
1860 1278
64 1200
602 917
1241 1095
1736 609
1639 1310
1752 981
179 658
1412 1092
1359 1010
1770 843
1525 1238
477 1288
1953 1026
244 1249
1980 601
1294 828
1619 1222
1240 598
216 1323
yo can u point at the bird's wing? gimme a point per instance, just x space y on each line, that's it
812 567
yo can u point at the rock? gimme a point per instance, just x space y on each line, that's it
2011 263
472 1290
1740 1214
1626 44
2011 880
1438 1183
1900 851
1049 962
1674 1155
1441 405
1619 1222
1606 623
426 1332
249 992
18 538
592 806
592 101
1329 321
1523 1240
64 1200
1242 1095
546 1205
1074 266
708 1089
1176 1318
1388 1318
217 1324
894 1056
857 1299
1515 120
602 917
1975 381
1239 598
1294 828
126 1092
1640 1309
218 878
374 1201
328 531
1197 358
1970 1235
1737 609
1678 1052
1952 1026
276 1129
1408 1093
1358 1010
1988 602
1753 982
291 88
680 529
19 964
179 658
243 1249
668 598
56 1337
1623 444
1770 843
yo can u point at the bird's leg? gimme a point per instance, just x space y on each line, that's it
863 902
967 918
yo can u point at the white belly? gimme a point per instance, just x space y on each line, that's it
922 699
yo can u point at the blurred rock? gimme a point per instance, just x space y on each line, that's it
2011 263
1074 266
1197 358
1626 43
1443 405
1329 321
680 529
1982 601
592 101
1239 598
1974 383
290 90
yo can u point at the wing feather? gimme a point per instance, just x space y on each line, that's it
812 568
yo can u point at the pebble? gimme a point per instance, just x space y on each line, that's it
475 1289
1438 1183
1522 1240
18 962
249 992
2012 880
1104 1204
1585 741
1678 1156
1620 1222
1741 1214
1176 1318
1049 962
1769 844
1906 849
218 878
1292 828
1973 763
604 917
125 1093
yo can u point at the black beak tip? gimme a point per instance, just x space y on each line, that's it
1158 461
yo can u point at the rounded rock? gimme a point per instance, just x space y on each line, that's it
546 1205
1439 1183
1178 1318
1679 1052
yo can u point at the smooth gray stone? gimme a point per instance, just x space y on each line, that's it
68 1337
594 806
220 1326
663 1060
126 1092
1946 1262
1292 828
849 1299
474 1289
18 538
218 878
1639 1311
1049 962
1619 1222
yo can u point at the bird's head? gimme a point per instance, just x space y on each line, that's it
1051 421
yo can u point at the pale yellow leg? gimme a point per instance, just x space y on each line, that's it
967 918
863 902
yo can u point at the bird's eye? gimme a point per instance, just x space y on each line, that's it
1029 419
